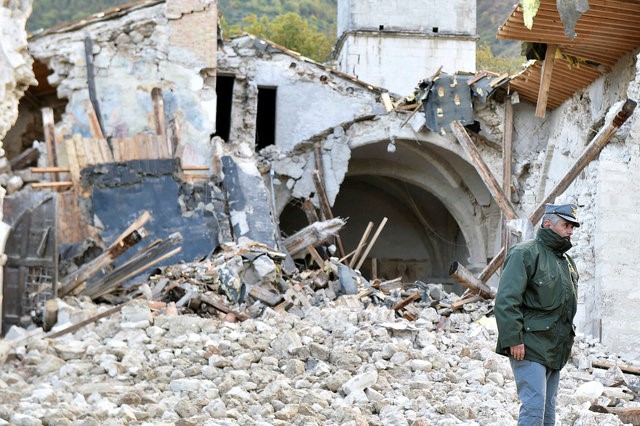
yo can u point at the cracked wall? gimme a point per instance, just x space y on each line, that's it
152 45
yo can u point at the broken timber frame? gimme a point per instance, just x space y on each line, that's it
325 207
130 237
485 173
590 153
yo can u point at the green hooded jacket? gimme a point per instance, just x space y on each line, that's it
536 300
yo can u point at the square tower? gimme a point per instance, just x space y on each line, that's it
397 43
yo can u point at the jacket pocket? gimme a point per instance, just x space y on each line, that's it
542 324
545 292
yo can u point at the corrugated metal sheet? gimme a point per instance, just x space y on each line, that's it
608 30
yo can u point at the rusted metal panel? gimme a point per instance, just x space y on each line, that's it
30 274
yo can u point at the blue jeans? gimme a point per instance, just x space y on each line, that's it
537 389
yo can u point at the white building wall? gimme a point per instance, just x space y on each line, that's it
448 16
394 44
399 63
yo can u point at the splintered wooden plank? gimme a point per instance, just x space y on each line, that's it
92 151
105 151
72 159
71 225
119 149
401 304
94 123
81 154
50 138
151 147
162 147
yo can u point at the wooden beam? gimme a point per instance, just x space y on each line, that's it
143 260
223 308
589 154
507 147
401 304
312 235
50 138
483 170
267 297
361 244
623 368
325 207
545 80
310 211
460 303
26 157
41 185
372 242
90 320
49 170
493 266
467 279
316 256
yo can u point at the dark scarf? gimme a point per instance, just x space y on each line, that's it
553 241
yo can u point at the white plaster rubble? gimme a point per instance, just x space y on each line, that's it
341 363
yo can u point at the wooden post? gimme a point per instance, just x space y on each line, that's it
310 211
160 122
483 170
467 279
312 235
325 207
50 139
361 244
493 266
372 242
545 80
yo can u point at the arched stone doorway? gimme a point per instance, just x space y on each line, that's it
438 208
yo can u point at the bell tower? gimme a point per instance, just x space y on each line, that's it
397 43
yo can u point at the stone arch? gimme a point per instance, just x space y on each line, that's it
385 151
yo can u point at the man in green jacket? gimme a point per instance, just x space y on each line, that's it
534 308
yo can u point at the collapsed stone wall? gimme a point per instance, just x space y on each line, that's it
152 45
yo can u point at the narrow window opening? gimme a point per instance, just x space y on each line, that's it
224 93
266 117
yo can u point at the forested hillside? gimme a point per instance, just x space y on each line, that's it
321 15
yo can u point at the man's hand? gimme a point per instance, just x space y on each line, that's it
518 352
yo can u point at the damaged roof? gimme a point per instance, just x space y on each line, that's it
605 32
105 15
262 45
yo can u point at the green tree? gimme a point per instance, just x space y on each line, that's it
289 30
485 60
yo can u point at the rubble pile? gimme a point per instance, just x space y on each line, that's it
344 360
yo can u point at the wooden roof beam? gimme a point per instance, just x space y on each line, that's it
545 81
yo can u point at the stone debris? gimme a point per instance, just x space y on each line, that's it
319 358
